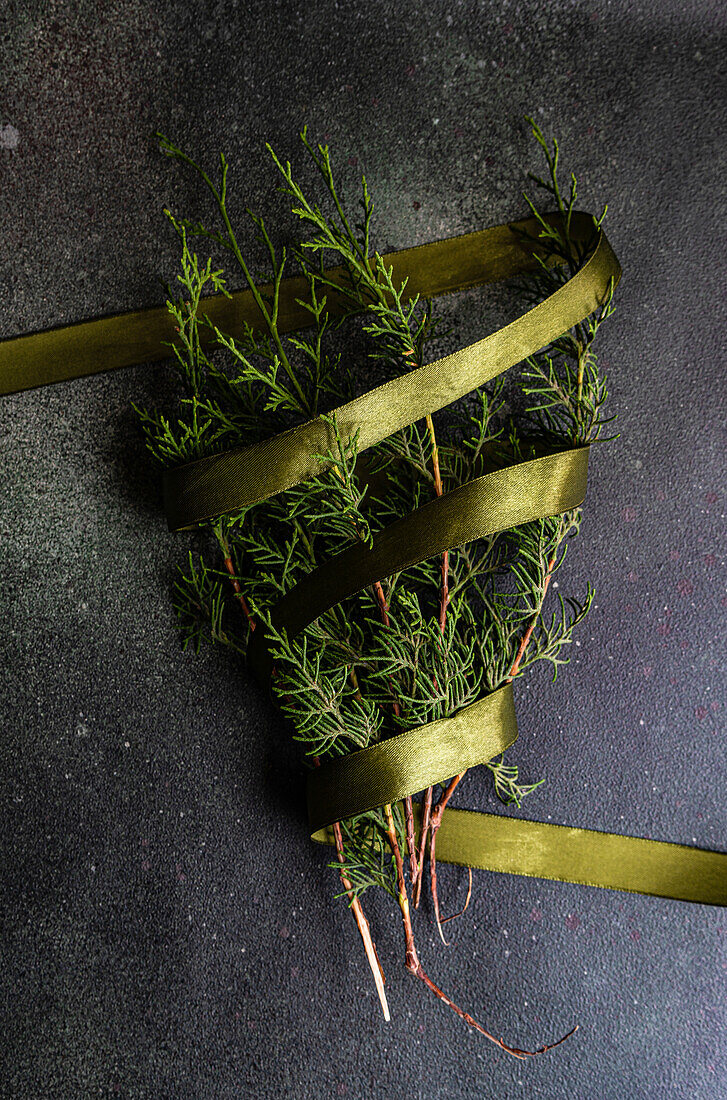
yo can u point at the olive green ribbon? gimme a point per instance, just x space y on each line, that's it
197 491
143 336
211 486
520 493
411 761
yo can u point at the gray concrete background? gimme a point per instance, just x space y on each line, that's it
168 928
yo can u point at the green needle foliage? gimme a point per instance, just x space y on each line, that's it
358 675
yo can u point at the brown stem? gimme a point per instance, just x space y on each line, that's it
412 959
437 813
453 916
408 807
411 844
415 967
381 601
227 557
436 821
443 604
444 799
363 926
444 598
426 816
433 882
528 633
516 1052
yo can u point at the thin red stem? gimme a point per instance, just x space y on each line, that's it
453 916
229 566
528 633
437 813
516 1052
415 967
408 806
442 619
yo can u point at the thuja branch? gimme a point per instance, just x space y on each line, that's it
354 902
220 196
564 527
418 646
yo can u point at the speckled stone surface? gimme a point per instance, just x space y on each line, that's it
168 928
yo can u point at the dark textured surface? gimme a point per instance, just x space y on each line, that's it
168 927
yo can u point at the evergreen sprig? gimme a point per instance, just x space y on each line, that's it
424 643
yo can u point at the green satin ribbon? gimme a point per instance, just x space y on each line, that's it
587 857
223 483
411 761
141 336
526 491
